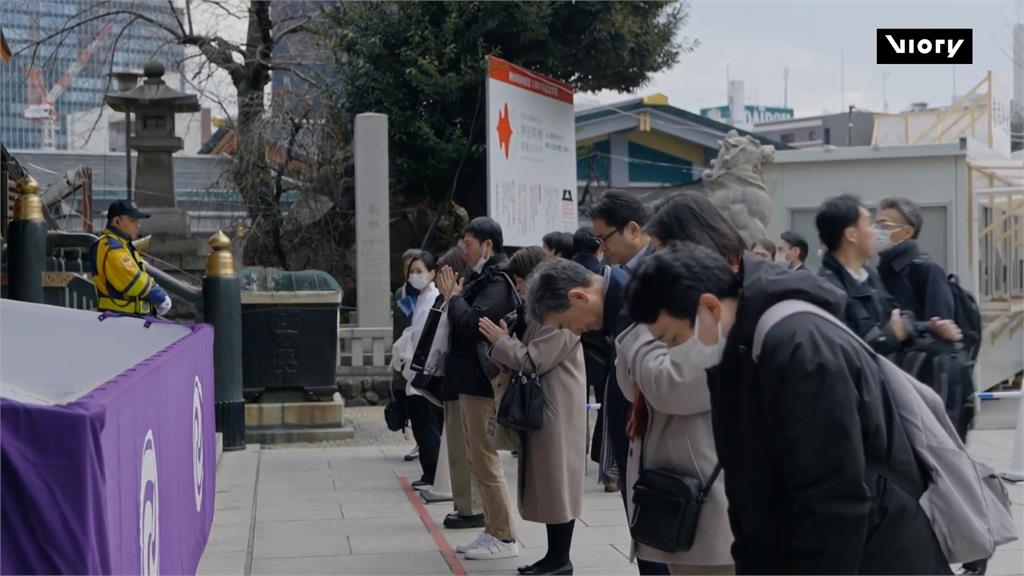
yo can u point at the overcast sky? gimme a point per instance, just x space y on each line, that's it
756 39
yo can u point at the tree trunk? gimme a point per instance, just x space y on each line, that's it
253 183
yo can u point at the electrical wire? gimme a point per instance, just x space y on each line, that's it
458 170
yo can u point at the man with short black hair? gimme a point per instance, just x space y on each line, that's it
487 293
819 477
557 245
845 228
586 247
792 251
120 276
619 220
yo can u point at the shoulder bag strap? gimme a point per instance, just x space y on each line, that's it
781 310
711 481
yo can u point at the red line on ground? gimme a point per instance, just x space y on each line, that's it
442 542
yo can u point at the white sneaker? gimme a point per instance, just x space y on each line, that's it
493 549
471 543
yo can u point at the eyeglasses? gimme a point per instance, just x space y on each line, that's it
605 238
889 226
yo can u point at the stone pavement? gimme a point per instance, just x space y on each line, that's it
344 510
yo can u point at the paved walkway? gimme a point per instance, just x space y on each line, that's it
345 510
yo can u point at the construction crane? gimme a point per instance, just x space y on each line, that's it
41 103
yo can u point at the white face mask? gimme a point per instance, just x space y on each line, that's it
695 353
484 257
780 258
419 280
883 239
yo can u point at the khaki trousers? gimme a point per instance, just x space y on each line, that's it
694 569
485 467
465 497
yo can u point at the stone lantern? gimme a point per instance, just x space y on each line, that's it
154 104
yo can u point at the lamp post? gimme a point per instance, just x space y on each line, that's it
154 104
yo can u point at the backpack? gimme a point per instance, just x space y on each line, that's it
967 315
966 312
965 501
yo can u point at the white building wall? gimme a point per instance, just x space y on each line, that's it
934 176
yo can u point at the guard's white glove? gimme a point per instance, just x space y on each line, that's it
164 307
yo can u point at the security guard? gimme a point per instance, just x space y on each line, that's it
120 274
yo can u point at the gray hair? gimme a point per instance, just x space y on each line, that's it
907 208
547 288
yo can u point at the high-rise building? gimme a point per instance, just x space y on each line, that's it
302 52
68 72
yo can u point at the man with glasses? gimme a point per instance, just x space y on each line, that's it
918 283
618 221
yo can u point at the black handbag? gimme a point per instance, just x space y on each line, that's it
522 406
429 386
395 414
666 507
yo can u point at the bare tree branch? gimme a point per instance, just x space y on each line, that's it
188 16
304 77
174 12
301 26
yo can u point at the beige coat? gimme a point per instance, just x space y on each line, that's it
679 437
551 460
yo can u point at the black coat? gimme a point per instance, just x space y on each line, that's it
868 306
488 294
616 407
598 347
916 282
818 471
590 262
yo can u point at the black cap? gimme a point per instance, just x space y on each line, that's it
124 208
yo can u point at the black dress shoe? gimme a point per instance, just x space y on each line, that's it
534 569
455 522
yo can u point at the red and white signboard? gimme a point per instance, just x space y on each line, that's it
531 153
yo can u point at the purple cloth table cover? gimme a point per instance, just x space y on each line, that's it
119 481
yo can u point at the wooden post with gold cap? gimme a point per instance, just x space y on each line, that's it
222 307
27 244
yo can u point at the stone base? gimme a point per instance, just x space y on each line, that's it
287 422
365 390
294 415
295 435
166 222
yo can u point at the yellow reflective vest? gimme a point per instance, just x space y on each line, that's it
122 283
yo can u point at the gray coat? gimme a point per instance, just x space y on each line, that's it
551 460
679 437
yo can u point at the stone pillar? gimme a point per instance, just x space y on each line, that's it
373 248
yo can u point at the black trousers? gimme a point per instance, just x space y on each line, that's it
427 423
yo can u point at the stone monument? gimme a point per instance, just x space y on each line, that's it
735 184
373 270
